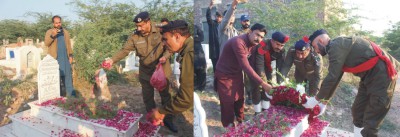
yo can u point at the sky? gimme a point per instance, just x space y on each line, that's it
15 9
380 14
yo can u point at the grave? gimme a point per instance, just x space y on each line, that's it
47 120
27 59
130 62
199 116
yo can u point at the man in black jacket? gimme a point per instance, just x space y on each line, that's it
200 65
213 34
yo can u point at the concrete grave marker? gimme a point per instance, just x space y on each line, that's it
199 116
48 79
130 62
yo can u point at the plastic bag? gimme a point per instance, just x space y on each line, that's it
158 79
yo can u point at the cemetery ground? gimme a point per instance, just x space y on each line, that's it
338 112
125 93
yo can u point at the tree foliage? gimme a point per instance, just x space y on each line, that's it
392 40
12 29
302 17
105 27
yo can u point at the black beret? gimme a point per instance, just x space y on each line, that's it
280 37
172 25
317 33
142 16
218 14
302 44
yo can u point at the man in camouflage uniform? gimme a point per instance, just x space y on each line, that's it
267 51
308 65
146 41
376 68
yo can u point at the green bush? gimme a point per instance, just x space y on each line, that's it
106 27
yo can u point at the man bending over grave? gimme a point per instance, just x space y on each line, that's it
177 39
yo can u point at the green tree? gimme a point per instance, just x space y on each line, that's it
101 33
392 40
43 23
302 17
170 9
12 29
105 27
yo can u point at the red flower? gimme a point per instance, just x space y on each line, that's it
105 65
313 113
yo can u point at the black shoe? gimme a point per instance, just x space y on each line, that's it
171 126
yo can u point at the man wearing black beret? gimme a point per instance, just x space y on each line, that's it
176 37
376 68
146 41
307 65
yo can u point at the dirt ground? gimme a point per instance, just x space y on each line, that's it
338 111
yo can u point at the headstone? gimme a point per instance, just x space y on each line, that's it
199 122
29 62
101 89
37 41
27 58
130 62
48 79
28 41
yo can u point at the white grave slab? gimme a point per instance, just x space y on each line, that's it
48 79
199 123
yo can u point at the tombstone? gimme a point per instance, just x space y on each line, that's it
130 62
48 79
4 41
100 89
199 116
28 41
29 63
27 59
37 41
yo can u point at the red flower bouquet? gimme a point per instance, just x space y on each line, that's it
288 96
